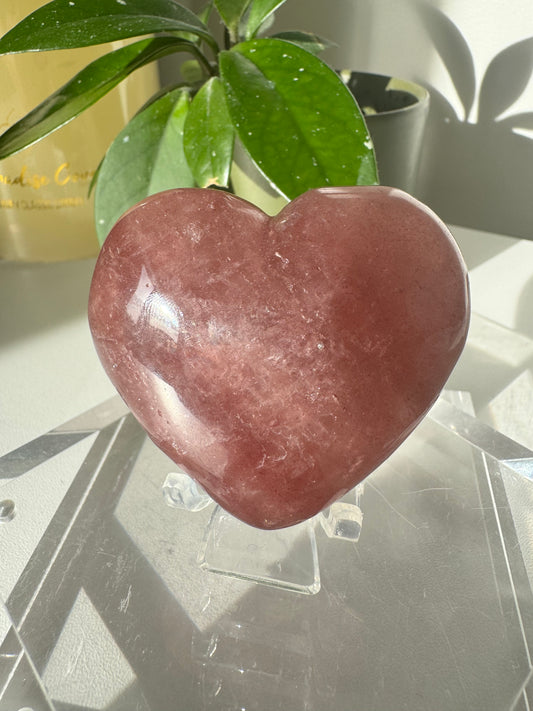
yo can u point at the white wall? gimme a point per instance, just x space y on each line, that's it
476 57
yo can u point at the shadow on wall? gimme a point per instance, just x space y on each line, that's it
479 174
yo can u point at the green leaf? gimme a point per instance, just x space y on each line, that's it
296 119
204 14
209 136
85 89
191 71
67 24
146 157
231 12
260 10
306 40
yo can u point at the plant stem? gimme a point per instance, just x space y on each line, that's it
227 39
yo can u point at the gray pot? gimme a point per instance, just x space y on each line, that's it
396 113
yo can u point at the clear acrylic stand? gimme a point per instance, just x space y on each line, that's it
286 558
426 603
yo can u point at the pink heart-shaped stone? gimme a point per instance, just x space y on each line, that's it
279 360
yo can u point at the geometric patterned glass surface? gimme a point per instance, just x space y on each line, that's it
111 603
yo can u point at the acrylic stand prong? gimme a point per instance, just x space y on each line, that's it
182 492
344 518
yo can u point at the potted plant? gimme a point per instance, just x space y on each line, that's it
352 302
395 112
289 114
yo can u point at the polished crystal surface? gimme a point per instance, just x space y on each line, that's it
279 360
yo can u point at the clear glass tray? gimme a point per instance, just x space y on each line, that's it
414 593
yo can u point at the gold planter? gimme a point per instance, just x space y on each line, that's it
46 213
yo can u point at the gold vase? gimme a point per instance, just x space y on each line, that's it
46 213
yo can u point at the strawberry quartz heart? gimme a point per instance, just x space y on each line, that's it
279 360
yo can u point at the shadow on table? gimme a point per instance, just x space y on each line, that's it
524 310
40 297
